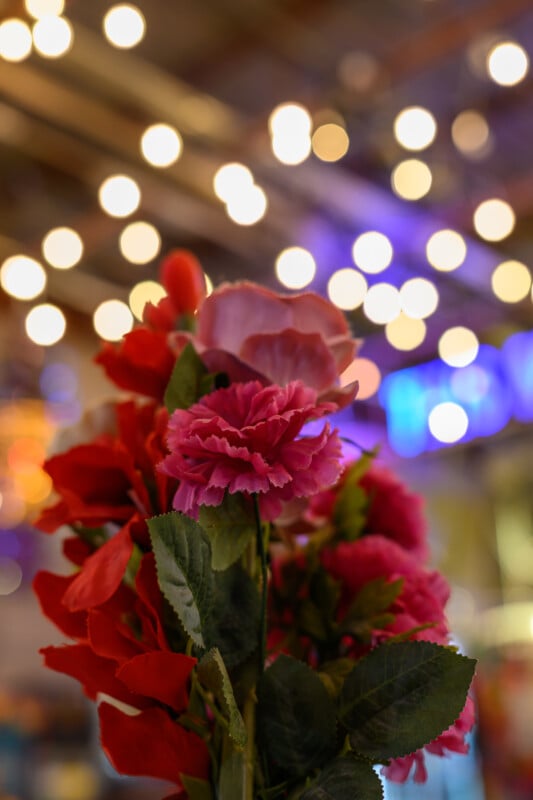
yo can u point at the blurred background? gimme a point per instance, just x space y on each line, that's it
378 153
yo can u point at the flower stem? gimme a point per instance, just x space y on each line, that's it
261 550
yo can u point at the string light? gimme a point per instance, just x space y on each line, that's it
347 288
22 277
52 36
231 180
494 220
45 324
330 142
511 281
458 346
290 129
119 196
140 242
446 250
419 298
249 207
471 133
507 63
448 422
112 319
405 333
124 26
41 8
62 248
372 252
382 303
10 576
15 40
411 179
415 128
295 267
161 145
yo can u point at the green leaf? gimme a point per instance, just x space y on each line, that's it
230 527
352 501
346 778
366 612
234 623
401 696
196 789
295 719
214 676
186 384
334 673
183 560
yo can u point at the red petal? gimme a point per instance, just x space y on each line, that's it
76 550
152 745
183 278
150 605
141 363
101 574
108 640
50 590
164 676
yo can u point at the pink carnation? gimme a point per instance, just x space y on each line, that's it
244 439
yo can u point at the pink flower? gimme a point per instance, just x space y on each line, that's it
251 332
244 439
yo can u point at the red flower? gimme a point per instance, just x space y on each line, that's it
244 439
183 277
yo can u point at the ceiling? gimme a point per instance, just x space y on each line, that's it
215 69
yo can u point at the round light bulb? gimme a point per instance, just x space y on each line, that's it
119 196
511 281
140 242
411 179
161 145
291 148
45 324
231 180
415 128
347 288
507 63
124 26
494 220
330 142
249 207
62 248
382 303
10 576
290 118
405 333
372 252
41 8
15 40
448 422
112 319
367 373
419 298
52 36
471 133
458 346
446 250
143 293
295 267
22 277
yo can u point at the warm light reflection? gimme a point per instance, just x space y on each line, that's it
119 196
62 248
411 179
112 319
367 373
494 220
419 298
290 129
22 277
52 36
231 180
249 207
140 242
45 324
372 252
330 142
40 8
382 303
15 40
405 333
161 145
471 133
295 267
34 486
448 422
446 250
124 25
291 149
143 293
458 346
415 128
507 63
347 288
511 281
25 454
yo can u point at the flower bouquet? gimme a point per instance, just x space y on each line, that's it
249 609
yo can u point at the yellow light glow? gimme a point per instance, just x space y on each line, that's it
62 248
231 180
372 252
45 324
248 207
161 145
41 8
124 26
419 298
22 277
415 128
448 422
507 63
112 319
347 288
382 303
295 267
405 333
52 36
411 179
446 250
10 576
511 281
330 142
119 196
366 373
494 220
471 133
15 40
458 346
143 293
291 148
290 118
25 454
34 486
140 242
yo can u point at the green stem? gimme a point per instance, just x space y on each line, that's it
264 585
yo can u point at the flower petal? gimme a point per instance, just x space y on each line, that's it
163 676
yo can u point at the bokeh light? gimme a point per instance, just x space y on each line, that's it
415 128
367 373
231 180
143 293
25 454
140 242
372 252
124 25
119 196
448 422
22 277
511 281
411 179
405 333
41 8
15 40
45 324
458 346
290 129
419 298
446 250
347 288
62 248
471 133
52 36
248 207
295 267
330 142
10 576
112 319
507 63
494 220
382 303
161 145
